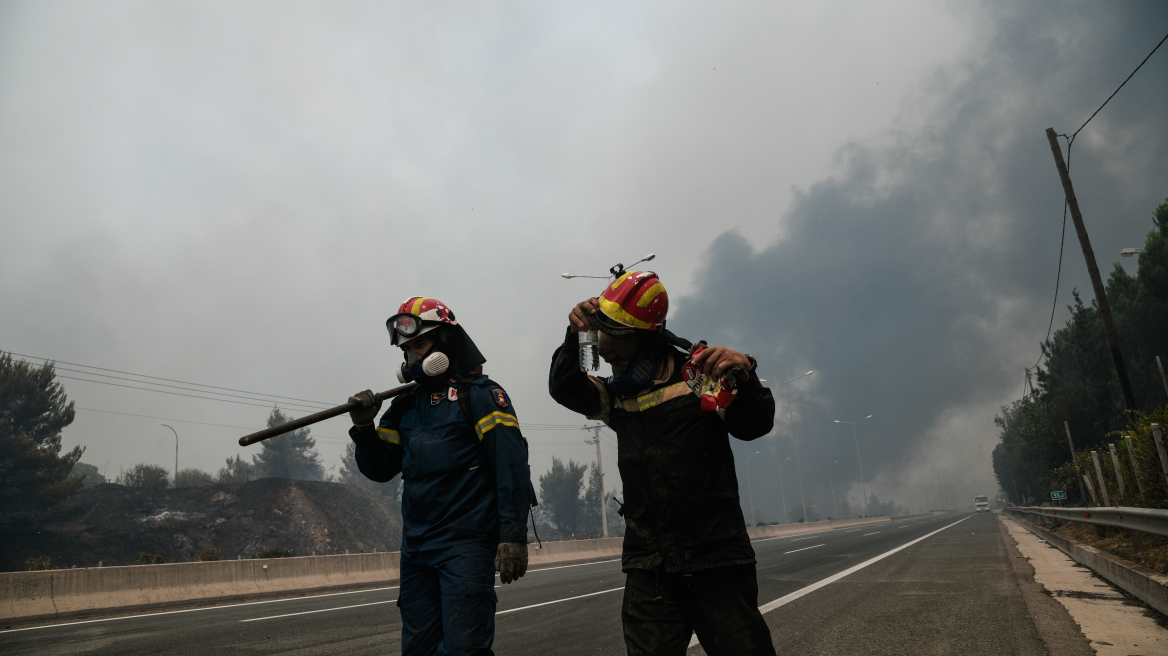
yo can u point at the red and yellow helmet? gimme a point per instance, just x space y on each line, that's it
636 300
417 316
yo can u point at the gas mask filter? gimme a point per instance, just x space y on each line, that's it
633 376
417 367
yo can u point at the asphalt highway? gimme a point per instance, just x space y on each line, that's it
939 584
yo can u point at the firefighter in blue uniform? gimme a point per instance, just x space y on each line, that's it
466 484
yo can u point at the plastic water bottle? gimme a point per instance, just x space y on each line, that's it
589 350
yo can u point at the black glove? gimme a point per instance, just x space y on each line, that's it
511 561
369 406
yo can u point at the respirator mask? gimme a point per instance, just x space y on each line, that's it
419 368
634 376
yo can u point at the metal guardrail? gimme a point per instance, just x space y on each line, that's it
1147 520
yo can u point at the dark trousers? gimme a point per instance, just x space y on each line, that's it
447 601
662 610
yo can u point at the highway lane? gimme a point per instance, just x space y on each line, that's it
574 609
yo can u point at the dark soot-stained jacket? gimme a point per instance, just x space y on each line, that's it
681 507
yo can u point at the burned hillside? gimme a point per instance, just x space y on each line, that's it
112 525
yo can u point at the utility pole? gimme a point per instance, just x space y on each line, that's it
600 472
1129 399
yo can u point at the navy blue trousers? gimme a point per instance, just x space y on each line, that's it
447 601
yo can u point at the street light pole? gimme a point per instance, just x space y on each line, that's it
750 492
863 485
175 454
834 511
791 420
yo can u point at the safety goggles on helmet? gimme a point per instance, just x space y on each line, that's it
418 316
404 327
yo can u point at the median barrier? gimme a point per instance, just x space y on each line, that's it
565 552
68 592
778 530
62 593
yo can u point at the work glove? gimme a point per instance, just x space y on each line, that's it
511 561
368 406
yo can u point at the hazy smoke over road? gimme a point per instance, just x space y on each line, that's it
918 281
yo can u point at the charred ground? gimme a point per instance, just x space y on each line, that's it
111 524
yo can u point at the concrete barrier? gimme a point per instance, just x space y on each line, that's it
1140 582
779 530
62 593
573 551
68 592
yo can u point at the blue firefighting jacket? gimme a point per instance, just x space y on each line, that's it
465 475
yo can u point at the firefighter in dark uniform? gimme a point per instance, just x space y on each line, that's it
687 557
466 484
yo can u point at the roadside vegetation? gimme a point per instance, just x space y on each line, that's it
1076 383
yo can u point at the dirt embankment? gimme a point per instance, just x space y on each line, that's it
112 524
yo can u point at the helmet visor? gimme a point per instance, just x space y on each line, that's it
403 327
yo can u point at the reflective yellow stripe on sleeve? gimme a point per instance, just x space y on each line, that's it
496 418
654 398
389 435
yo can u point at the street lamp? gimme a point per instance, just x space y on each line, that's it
834 511
863 485
1128 252
748 490
175 454
791 420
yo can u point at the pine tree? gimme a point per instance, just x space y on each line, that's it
561 488
34 474
292 455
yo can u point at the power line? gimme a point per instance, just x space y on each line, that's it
188 389
169 380
1115 92
148 389
1071 142
202 423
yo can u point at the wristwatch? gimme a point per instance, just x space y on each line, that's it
744 373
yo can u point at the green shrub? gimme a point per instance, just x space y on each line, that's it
156 558
208 555
39 563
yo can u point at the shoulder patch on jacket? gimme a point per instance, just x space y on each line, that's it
500 397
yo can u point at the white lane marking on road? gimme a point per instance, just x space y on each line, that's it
195 610
557 601
806 538
321 610
854 530
803 549
867 534
544 569
596 562
786 599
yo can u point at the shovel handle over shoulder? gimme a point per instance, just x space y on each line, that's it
308 420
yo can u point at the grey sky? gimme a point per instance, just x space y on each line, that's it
240 194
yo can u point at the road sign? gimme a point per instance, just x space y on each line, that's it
1058 496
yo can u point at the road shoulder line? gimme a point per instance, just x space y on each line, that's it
802 592
1056 628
